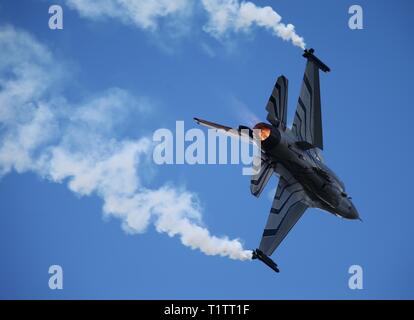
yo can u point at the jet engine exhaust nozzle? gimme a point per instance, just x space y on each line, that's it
262 131
267 135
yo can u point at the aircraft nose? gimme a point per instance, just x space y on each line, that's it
352 212
347 209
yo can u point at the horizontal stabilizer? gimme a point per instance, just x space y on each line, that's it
241 131
261 176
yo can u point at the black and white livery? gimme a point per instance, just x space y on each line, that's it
294 154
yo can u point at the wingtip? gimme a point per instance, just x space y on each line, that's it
258 254
309 54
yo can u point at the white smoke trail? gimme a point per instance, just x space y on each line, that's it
223 15
77 144
233 15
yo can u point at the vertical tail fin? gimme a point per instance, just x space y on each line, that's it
277 104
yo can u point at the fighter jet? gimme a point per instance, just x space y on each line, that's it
295 155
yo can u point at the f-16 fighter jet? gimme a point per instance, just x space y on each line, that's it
294 154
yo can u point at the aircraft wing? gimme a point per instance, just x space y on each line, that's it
307 124
277 104
289 203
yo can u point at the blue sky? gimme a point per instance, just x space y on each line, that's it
140 80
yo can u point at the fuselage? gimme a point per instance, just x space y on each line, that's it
324 189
